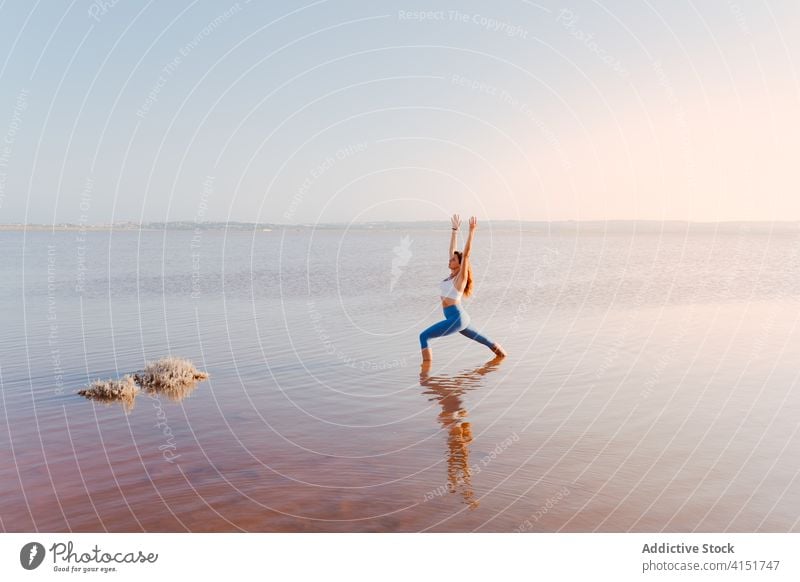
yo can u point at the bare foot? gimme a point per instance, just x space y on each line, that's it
425 368
499 351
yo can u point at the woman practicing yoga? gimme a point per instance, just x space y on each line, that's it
451 289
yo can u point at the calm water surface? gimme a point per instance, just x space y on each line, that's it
651 383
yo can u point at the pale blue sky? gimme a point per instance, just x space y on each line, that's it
342 110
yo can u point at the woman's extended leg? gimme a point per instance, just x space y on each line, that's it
473 334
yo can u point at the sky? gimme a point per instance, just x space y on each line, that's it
346 111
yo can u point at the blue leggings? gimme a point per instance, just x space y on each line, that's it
456 320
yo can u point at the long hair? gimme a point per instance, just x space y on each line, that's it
468 288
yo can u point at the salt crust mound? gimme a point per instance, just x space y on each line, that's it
168 374
123 390
171 376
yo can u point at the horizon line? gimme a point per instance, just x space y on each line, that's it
373 222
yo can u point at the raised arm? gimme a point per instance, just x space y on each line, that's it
462 272
455 221
473 225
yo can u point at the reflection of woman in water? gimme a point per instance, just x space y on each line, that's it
448 391
450 290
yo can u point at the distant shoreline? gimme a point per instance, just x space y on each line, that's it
611 226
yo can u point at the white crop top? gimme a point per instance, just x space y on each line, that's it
448 289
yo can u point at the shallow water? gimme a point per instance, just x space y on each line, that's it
650 386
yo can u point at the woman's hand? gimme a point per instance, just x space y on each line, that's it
455 221
473 223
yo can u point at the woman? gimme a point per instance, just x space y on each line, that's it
451 289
